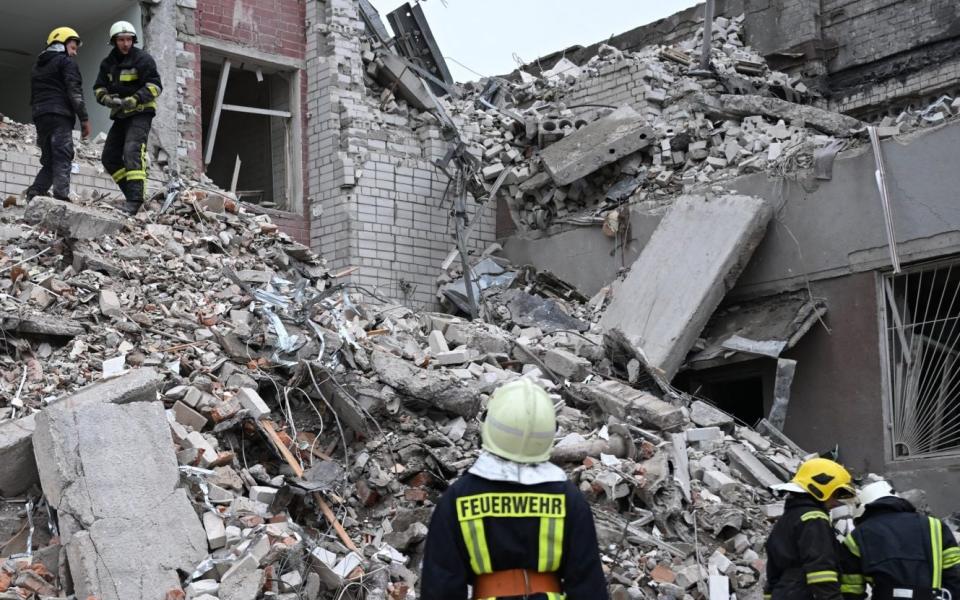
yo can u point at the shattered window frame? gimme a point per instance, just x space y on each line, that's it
292 157
920 357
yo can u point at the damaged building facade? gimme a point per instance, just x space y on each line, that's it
287 103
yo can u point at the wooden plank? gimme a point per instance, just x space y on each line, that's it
332 519
253 110
271 432
217 107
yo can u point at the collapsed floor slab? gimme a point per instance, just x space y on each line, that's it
18 469
111 473
622 132
693 258
72 220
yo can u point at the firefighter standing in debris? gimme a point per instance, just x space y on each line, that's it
902 554
514 526
56 100
802 552
129 85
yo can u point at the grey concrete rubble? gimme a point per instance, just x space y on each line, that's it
110 472
604 141
269 429
70 220
682 274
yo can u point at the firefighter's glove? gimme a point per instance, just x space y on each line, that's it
129 103
111 100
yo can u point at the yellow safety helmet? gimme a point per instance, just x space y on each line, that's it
520 424
823 479
63 35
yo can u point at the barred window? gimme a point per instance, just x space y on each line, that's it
922 350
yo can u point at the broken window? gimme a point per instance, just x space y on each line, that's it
250 130
921 345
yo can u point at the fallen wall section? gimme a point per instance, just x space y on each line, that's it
692 259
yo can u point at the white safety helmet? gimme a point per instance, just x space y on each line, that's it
120 28
520 424
875 491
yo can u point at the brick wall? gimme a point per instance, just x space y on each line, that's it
19 165
377 199
275 26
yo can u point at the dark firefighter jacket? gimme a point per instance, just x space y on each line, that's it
893 546
56 86
132 75
482 526
802 553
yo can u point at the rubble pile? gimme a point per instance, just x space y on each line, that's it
312 423
554 160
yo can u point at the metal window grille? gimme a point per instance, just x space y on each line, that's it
922 346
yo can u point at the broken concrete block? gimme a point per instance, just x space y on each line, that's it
18 469
202 588
187 416
735 106
704 434
216 532
438 343
242 580
622 132
751 467
566 364
263 493
110 472
694 256
689 576
110 304
718 482
707 415
71 220
435 388
195 440
453 357
392 72
719 587
623 402
773 511
252 402
27 322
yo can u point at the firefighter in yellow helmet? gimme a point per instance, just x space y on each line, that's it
802 552
128 84
513 525
56 100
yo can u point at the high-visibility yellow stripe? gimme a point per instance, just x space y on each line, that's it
550 544
119 176
814 514
129 77
936 545
951 557
136 175
475 539
153 89
851 544
852 584
822 577
510 504
555 596
851 579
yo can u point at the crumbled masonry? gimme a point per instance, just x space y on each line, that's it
192 405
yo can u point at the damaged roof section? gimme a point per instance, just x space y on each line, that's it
764 327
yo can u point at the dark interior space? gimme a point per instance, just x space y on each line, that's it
740 389
258 140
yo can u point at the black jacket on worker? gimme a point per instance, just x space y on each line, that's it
802 553
900 553
56 87
481 526
134 74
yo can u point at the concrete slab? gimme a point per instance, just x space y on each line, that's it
111 473
622 132
750 466
623 402
680 277
18 469
71 220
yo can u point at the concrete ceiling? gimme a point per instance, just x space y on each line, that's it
25 24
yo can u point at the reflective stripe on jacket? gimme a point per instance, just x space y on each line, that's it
134 74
